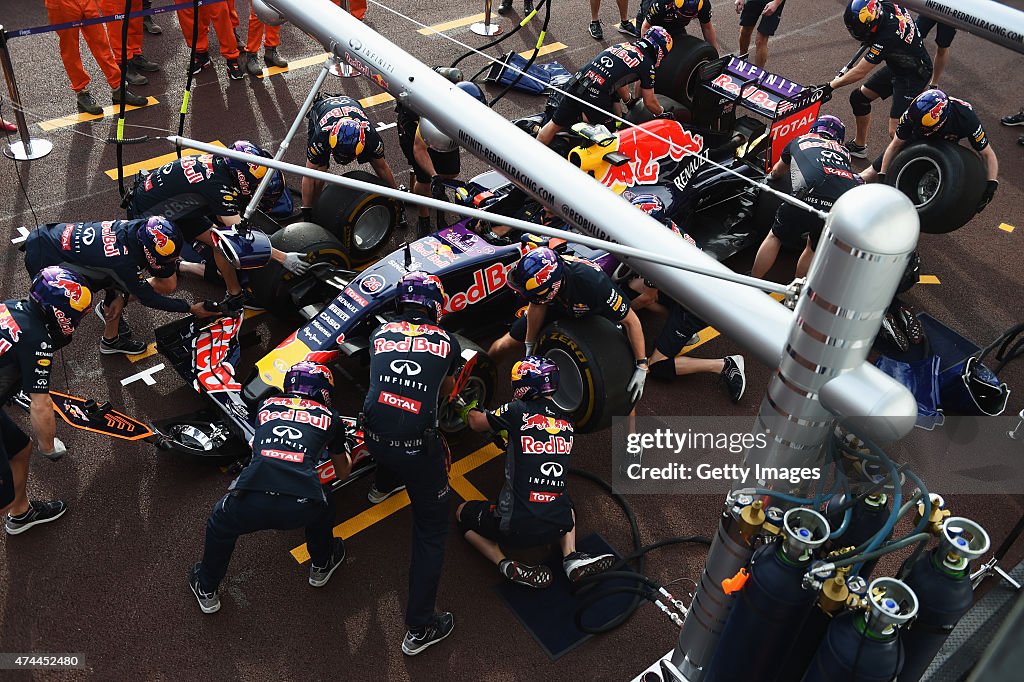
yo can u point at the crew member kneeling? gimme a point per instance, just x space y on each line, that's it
533 508
280 488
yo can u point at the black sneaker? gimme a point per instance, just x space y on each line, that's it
129 97
252 67
121 344
152 28
38 512
273 58
626 27
202 61
892 331
595 30
318 576
911 325
421 638
505 7
1013 119
209 602
87 103
143 64
523 574
734 377
859 151
133 77
234 70
122 324
580 565
377 496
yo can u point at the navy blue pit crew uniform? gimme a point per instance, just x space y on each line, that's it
533 507
597 83
908 67
445 163
961 122
410 358
190 192
944 33
330 110
26 356
820 172
585 290
664 13
106 253
279 489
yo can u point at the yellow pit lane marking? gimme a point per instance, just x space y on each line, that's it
928 279
454 23
1006 227
294 65
374 100
379 512
72 119
149 352
706 334
157 161
547 49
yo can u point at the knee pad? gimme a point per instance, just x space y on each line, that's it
859 102
664 370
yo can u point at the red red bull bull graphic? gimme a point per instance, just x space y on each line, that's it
406 328
554 445
646 145
934 115
212 347
486 282
164 245
543 422
9 324
412 345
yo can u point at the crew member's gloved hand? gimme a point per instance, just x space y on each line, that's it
437 188
306 214
668 115
880 178
530 345
826 88
636 383
990 191
294 264
204 309
59 450
466 409
231 305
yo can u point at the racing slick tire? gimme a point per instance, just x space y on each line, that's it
272 284
944 181
479 387
362 221
677 77
641 114
595 364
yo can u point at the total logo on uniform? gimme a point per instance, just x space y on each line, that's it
399 401
557 445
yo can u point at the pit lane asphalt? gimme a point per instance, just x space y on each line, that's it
108 580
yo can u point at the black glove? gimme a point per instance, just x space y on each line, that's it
990 191
306 213
880 178
826 89
668 115
437 188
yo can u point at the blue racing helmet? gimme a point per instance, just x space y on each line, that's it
473 90
830 126
347 139
245 249
423 289
275 190
862 17
538 275
534 376
311 380
661 39
63 297
248 174
929 111
689 8
161 245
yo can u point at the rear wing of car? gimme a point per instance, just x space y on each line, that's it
790 107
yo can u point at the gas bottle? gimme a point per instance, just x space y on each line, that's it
867 518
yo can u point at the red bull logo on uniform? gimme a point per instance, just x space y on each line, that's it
9 324
406 328
545 423
556 445
646 145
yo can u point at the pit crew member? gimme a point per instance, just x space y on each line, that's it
819 167
200 192
411 363
533 508
559 287
280 489
603 83
934 114
681 325
337 126
893 38
116 255
766 14
676 15
31 330
944 34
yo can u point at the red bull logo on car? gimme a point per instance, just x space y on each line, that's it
646 145
543 422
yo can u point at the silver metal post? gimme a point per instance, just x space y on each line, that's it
486 28
283 147
28 149
868 239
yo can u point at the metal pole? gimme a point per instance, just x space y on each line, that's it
283 147
28 149
869 236
993 21
486 28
